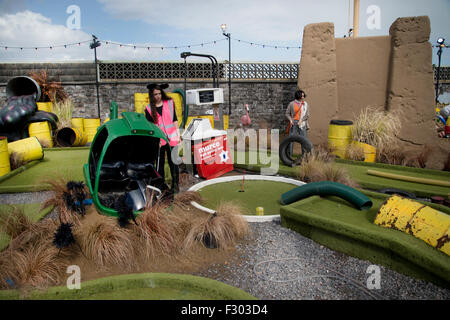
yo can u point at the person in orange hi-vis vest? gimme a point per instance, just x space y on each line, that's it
161 111
297 113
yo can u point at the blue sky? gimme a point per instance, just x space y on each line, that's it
170 23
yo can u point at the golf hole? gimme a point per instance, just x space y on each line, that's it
249 191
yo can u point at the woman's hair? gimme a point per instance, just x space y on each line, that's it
164 97
298 94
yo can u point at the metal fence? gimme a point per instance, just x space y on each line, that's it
444 74
112 71
177 71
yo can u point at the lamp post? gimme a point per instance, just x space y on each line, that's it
95 43
228 35
441 45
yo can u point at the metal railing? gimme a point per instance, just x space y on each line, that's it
110 71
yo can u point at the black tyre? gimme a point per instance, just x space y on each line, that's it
292 160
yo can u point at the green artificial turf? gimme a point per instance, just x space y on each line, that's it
32 210
358 172
148 286
66 163
256 193
338 225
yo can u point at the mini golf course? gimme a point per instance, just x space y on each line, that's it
142 286
358 172
329 220
247 191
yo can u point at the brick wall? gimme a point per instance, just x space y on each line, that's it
267 99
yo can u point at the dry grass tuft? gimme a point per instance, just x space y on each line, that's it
219 230
14 221
106 244
354 152
36 266
377 127
62 195
400 155
184 199
31 260
319 166
40 233
64 110
156 231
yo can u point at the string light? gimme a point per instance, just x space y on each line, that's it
121 45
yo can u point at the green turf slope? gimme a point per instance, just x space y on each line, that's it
147 286
337 224
66 163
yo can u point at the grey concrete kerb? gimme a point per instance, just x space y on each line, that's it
249 218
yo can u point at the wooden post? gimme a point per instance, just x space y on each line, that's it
355 18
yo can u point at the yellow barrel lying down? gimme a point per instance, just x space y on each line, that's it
417 219
71 137
27 149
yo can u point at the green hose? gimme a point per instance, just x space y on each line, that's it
325 188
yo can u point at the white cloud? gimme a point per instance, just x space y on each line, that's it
281 20
28 29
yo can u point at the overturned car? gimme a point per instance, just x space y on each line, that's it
121 169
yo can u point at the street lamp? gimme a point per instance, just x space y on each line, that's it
95 43
441 45
228 35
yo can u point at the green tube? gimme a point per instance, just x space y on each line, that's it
113 110
325 188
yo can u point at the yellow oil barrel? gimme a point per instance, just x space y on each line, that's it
417 219
27 149
42 131
45 106
4 157
226 119
140 101
339 136
78 123
370 152
178 104
90 128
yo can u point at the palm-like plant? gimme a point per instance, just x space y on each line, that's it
51 90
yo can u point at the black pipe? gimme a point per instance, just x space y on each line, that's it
95 43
